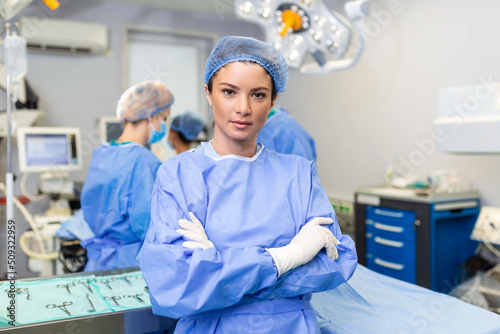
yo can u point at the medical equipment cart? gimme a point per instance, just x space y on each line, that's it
421 239
100 302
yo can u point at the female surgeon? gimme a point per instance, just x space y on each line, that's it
116 195
236 239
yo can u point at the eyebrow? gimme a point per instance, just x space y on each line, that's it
237 88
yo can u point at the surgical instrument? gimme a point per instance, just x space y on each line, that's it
91 304
136 296
23 290
106 282
86 284
125 278
19 291
62 286
114 298
62 307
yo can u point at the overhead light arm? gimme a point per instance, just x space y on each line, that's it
52 4
9 8
355 10
300 27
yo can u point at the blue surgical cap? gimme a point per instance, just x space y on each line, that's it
144 100
188 124
235 48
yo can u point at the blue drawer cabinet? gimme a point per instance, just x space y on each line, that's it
390 242
399 250
398 269
416 239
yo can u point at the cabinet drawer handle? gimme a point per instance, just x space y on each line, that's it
389 265
389 213
390 243
389 228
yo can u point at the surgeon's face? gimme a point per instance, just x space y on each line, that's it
158 118
241 100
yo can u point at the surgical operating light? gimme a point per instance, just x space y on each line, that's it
9 8
300 27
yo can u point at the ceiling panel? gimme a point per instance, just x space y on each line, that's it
213 7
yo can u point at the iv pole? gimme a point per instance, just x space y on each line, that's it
19 70
9 178
14 48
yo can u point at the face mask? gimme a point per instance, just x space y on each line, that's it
156 136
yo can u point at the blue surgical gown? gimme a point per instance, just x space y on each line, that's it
245 205
116 202
284 134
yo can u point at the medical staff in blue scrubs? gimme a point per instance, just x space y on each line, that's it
284 134
241 236
116 195
183 131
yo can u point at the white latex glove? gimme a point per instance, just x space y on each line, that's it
311 238
194 231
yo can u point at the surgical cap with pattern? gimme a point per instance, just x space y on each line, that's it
236 48
144 100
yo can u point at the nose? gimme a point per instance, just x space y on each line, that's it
243 107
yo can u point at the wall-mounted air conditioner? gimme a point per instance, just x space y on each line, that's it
469 119
54 35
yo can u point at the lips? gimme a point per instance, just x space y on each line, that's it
241 124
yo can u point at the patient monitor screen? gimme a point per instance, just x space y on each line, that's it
45 149
49 149
113 131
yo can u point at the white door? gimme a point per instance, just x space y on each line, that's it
175 58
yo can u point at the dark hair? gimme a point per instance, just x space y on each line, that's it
273 91
181 136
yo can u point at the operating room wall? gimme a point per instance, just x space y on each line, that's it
75 90
364 118
361 118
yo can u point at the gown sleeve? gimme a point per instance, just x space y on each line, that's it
139 199
184 281
321 273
